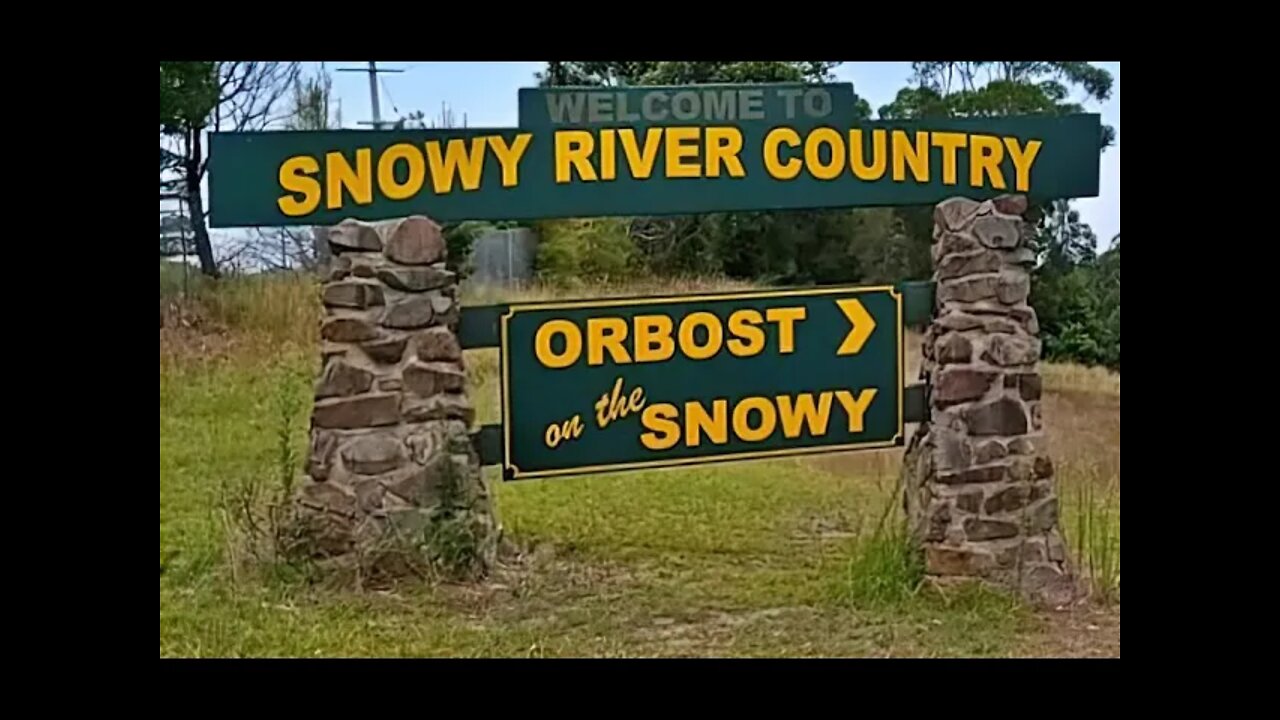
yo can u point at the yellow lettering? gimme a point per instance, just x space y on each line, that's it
689 343
608 154
653 341
772 153
637 400
641 163
813 155
1022 160
857 162
697 421
804 412
603 413
748 339
723 146
768 419
905 154
676 152
855 408
950 142
294 179
339 175
606 334
659 419
462 157
573 151
985 154
572 342
570 429
387 171
786 319
614 405
509 156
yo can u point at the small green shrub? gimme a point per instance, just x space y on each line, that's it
584 251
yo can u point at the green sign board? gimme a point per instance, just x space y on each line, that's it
649 151
654 382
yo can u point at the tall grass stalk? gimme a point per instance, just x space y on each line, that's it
886 567
1094 538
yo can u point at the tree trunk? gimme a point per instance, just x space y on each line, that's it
193 167
323 254
204 248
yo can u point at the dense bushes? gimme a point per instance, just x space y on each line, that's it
1075 293
1079 310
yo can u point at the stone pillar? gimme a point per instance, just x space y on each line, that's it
390 447
979 489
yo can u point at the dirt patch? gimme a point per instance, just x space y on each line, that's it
1084 631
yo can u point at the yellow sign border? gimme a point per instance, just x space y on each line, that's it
512 472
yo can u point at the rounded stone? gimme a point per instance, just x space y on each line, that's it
373 454
357 412
415 312
970 502
427 379
386 352
954 348
451 406
959 322
979 529
960 265
968 291
1010 204
1003 416
415 241
350 235
951 243
954 213
341 379
352 294
415 279
438 343
1013 287
1011 350
994 231
347 329
961 384
989 452
1007 499
328 497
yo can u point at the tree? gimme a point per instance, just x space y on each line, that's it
792 246
310 108
1062 241
951 89
984 89
196 97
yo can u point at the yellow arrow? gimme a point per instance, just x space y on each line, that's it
862 323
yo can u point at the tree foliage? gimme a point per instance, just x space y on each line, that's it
1076 291
792 247
196 97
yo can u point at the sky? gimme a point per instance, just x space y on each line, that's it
486 93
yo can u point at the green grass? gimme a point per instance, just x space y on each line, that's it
771 558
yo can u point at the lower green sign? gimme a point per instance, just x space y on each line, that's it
653 382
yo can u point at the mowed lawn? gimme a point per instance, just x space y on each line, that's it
743 559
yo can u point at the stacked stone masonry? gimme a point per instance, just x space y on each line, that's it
979 490
391 420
